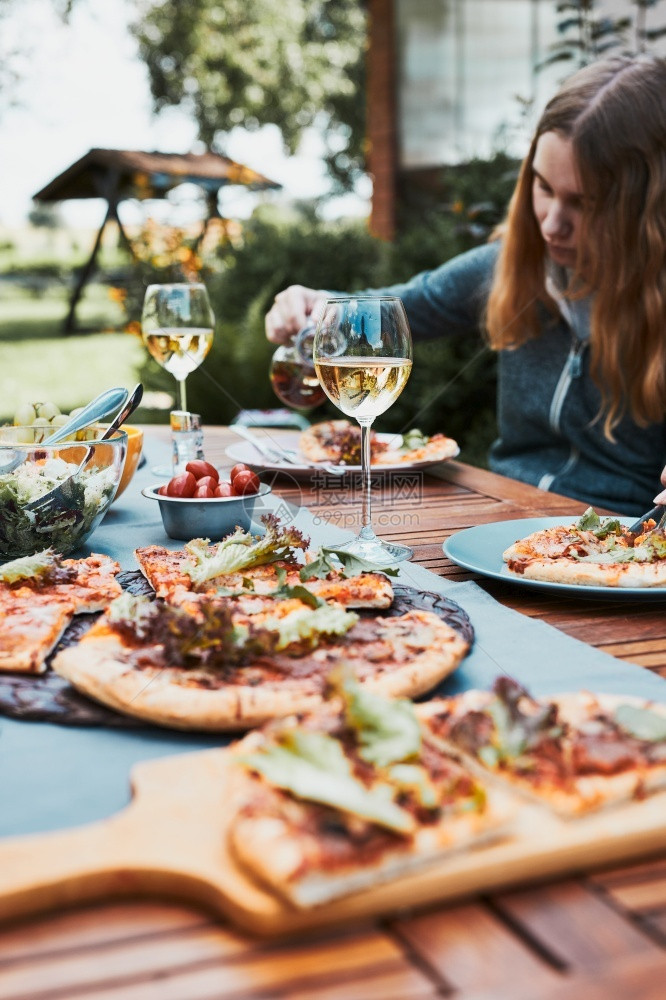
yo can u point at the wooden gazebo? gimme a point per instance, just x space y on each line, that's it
117 174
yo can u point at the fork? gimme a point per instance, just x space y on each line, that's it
275 453
657 514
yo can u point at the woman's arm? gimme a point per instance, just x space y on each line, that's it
448 299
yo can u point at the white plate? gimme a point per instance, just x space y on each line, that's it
480 549
245 452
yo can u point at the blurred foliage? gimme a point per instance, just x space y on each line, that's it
452 386
288 64
592 29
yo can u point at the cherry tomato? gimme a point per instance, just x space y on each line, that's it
207 481
182 486
238 468
245 482
223 490
199 468
203 493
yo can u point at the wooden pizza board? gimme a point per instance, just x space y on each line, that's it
171 841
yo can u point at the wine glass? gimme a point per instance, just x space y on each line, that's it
363 357
177 328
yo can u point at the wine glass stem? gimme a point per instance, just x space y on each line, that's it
182 394
366 514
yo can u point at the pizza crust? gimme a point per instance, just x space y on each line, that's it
547 556
590 792
272 852
163 568
591 574
100 666
28 633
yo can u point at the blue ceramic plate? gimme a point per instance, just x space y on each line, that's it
480 549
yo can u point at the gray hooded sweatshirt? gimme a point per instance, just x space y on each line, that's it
547 402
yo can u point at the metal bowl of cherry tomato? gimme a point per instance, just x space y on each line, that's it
200 503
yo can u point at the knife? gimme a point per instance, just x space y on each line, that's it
276 454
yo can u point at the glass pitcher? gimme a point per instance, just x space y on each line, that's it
292 372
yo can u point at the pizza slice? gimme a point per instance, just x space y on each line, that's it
592 551
574 753
340 441
39 595
30 627
353 796
261 564
216 665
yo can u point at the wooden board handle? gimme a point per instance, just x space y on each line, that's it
56 869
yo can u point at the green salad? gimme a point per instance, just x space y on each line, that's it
23 532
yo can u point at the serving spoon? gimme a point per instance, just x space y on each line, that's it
61 495
107 402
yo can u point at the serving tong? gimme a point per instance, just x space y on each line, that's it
62 495
276 454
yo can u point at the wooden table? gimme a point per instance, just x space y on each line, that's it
601 936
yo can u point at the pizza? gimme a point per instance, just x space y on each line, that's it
574 753
340 441
167 572
593 551
40 594
352 796
220 663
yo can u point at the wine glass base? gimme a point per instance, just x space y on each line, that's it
375 550
164 471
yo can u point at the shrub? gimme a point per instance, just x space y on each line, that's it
452 386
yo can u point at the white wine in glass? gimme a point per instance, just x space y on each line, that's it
177 327
363 358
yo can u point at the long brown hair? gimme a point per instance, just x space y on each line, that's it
614 112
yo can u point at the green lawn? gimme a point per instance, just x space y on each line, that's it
39 363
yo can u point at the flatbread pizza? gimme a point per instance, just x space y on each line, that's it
340 441
574 753
353 796
40 594
222 663
593 551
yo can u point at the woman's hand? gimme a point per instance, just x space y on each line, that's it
290 312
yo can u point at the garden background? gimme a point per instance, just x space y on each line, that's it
245 263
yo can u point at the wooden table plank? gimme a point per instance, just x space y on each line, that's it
472 949
198 962
575 925
631 979
599 937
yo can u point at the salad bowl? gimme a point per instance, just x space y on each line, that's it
30 469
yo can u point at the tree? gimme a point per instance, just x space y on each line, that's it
589 30
291 63
12 53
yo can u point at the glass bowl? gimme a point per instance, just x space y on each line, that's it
30 469
214 518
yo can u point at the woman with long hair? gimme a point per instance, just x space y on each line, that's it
571 293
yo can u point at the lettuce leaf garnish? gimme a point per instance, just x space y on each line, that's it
601 527
332 561
641 723
313 766
29 567
307 625
387 731
242 550
413 438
